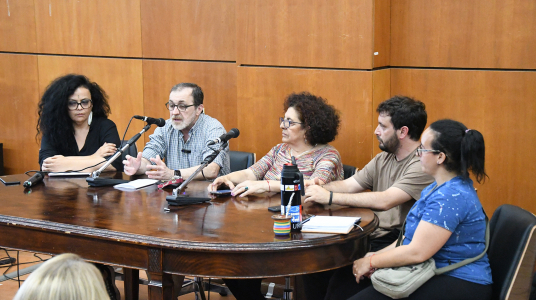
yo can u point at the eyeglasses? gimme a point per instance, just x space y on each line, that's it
287 123
421 150
73 105
181 107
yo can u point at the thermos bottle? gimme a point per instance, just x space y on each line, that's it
292 188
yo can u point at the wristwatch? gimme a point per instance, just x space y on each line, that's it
177 174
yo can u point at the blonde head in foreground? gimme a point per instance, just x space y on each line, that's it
63 277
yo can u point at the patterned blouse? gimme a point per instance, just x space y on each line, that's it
322 162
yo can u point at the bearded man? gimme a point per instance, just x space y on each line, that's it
177 149
394 179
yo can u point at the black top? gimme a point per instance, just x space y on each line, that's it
101 130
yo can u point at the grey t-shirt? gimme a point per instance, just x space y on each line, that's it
383 172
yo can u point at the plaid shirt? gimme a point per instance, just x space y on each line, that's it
169 144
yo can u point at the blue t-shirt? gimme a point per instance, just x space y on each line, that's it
454 206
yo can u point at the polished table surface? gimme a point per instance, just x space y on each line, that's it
228 237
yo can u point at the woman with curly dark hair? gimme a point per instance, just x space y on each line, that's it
74 126
308 126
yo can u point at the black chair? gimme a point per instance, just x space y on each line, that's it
132 150
241 160
512 252
349 171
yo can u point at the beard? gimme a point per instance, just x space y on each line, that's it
391 145
178 127
184 124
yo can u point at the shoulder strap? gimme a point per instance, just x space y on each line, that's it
458 264
401 234
469 260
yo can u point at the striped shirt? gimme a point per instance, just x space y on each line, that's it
169 144
322 162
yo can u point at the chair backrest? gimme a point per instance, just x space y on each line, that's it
241 160
512 252
349 171
132 150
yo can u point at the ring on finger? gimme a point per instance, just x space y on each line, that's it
246 188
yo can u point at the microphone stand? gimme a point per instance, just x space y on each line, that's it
96 173
177 198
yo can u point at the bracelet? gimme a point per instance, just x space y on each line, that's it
371 267
268 181
330 198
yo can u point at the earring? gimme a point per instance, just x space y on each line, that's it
438 163
90 118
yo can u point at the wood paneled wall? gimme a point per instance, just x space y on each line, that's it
185 29
305 33
464 34
17 26
498 104
96 27
18 94
247 55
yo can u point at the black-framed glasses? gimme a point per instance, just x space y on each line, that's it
287 123
73 105
421 150
181 107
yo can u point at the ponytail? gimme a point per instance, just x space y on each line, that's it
473 152
464 148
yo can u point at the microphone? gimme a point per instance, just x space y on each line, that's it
38 177
233 133
158 122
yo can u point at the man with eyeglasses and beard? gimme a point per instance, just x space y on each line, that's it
182 142
395 180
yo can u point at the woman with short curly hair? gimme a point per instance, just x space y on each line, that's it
74 126
307 128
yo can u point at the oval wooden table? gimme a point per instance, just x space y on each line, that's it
228 237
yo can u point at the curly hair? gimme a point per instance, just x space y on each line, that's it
320 120
54 121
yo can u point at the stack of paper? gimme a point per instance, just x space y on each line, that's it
330 224
135 184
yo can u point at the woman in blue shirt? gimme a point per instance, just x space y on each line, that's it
447 223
